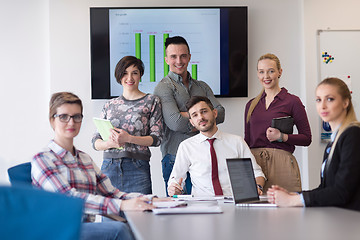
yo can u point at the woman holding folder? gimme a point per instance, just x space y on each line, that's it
271 147
137 121
340 177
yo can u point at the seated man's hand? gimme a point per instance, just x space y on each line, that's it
175 188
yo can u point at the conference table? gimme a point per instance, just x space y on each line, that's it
249 223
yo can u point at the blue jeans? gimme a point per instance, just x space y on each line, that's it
128 174
106 230
167 165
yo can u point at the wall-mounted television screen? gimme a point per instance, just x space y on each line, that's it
217 37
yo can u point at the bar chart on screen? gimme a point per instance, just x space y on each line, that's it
143 33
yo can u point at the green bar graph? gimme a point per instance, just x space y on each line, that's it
166 66
194 71
138 45
152 57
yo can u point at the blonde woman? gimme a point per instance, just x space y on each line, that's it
272 148
340 177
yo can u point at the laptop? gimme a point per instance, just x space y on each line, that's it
243 184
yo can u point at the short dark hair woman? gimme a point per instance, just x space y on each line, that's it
137 119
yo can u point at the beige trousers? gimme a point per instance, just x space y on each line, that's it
280 167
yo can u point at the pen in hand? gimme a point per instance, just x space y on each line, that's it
175 188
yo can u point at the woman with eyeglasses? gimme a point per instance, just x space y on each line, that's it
62 168
340 178
137 121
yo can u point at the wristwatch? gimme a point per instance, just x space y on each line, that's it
260 187
281 137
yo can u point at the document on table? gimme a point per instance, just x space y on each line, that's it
169 204
203 198
195 209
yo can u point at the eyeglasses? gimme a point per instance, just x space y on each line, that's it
66 118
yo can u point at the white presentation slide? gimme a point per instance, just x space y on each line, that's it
143 30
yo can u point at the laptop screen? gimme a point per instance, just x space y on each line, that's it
242 179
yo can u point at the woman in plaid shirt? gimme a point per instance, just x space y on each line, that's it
60 167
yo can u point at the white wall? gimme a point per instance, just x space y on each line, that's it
24 80
57 55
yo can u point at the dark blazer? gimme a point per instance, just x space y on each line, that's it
340 185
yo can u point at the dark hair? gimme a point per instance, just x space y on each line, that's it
177 40
196 99
60 98
126 62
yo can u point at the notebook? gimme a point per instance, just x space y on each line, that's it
103 126
243 184
192 209
284 124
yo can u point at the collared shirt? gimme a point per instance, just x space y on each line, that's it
194 156
57 170
173 95
284 104
328 150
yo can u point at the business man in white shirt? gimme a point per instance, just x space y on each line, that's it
194 155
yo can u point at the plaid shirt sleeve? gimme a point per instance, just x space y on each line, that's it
51 173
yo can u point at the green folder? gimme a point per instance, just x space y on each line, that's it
103 126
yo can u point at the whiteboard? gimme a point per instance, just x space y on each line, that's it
339 56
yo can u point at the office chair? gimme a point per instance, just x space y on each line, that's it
20 175
30 213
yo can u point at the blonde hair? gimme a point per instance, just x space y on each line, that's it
350 118
256 100
60 98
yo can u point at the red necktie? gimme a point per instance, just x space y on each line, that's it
214 169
